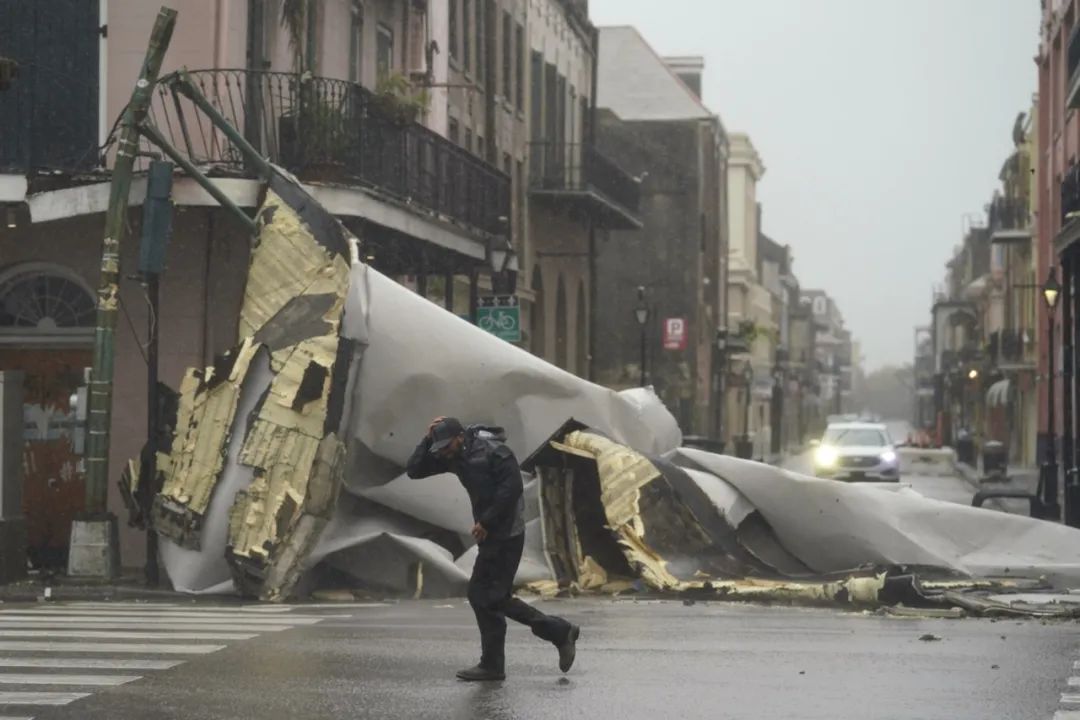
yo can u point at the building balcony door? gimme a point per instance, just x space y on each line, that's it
46 332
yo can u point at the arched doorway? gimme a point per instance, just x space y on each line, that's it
537 320
47 317
561 323
582 334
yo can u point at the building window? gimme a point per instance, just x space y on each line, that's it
356 42
453 29
481 40
536 80
479 145
519 70
571 108
468 140
311 49
508 57
585 115
44 301
519 206
384 51
453 132
466 36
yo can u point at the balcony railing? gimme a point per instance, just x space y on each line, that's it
341 132
1007 347
1072 69
1009 219
579 169
1070 192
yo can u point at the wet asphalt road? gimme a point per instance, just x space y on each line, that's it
636 660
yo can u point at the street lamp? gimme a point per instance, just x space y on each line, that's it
1048 482
776 407
721 377
748 382
973 374
642 315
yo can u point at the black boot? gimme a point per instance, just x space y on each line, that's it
568 648
479 673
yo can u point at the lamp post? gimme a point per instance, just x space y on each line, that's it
721 376
642 315
838 395
1048 481
776 409
748 383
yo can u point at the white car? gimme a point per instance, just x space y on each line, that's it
857 451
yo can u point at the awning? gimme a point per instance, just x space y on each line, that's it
998 394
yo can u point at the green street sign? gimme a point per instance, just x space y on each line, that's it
500 315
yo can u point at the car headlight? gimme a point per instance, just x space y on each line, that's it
888 456
825 456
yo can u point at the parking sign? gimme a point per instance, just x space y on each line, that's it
675 334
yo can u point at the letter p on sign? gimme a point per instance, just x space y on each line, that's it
675 334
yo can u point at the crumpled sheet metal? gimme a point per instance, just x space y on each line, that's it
281 461
665 538
796 539
352 354
207 408
832 526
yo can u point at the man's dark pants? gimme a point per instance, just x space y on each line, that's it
491 596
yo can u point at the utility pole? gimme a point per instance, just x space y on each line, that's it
97 527
156 229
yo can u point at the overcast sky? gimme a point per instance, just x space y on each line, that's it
880 123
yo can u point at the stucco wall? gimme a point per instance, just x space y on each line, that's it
200 300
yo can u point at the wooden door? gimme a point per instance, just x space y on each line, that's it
54 486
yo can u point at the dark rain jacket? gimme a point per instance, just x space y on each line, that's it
489 473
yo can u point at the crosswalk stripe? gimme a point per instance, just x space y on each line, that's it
1074 682
42 679
81 663
255 609
40 698
124 635
1070 698
1067 715
12 717
38 624
60 616
99 647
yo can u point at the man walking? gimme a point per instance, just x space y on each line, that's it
489 472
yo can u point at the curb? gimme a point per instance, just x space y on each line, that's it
972 477
61 589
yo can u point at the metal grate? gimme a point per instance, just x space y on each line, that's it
335 130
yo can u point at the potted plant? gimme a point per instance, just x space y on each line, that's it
398 100
314 139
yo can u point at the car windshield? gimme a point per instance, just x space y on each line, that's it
847 437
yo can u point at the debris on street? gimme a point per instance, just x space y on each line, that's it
286 470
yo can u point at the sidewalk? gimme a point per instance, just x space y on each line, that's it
1025 479
129 586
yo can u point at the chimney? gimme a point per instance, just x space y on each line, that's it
689 68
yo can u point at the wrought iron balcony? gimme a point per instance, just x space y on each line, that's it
338 132
1070 193
1010 221
1007 348
577 175
1072 69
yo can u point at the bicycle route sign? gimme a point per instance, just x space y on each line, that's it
500 315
